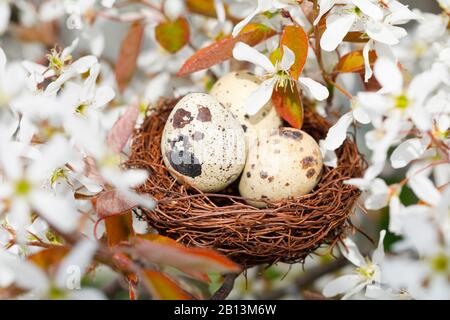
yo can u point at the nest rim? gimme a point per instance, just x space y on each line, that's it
285 231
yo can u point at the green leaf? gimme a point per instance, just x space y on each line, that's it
295 38
222 50
129 52
173 35
288 104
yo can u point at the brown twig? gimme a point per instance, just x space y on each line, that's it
227 285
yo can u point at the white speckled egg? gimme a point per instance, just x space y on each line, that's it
286 163
203 143
232 90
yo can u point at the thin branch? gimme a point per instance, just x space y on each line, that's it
226 287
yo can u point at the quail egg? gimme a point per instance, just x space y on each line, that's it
232 90
203 144
286 163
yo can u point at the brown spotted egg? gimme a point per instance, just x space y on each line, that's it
286 163
203 144
232 90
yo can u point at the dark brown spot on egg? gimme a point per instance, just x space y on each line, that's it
310 173
204 114
249 174
308 161
286 184
181 118
291 134
246 116
263 174
244 127
271 178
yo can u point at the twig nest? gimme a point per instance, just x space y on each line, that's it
203 144
233 90
286 231
284 164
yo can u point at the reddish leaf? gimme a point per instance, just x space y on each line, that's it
119 228
173 35
49 259
206 8
164 251
162 287
222 50
112 202
295 38
123 129
354 62
44 32
356 37
289 105
129 52
165 240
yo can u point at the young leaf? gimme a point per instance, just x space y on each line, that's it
207 8
354 62
289 105
129 52
356 37
112 202
295 38
119 228
162 287
173 35
48 259
164 251
123 129
222 50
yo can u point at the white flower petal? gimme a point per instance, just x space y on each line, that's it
288 58
338 132
367 68
5 13
244 52
378 254
423 187
381 33
351 252
59 212
75 263
329 157
325 6
259 97
341 285
317 90
408 151
361 116
369 8
388 75
263 5
336 31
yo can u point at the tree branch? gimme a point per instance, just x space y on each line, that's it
225 289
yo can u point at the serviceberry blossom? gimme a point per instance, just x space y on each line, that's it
277 75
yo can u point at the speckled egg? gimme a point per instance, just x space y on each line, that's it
203 143
286 163
232 90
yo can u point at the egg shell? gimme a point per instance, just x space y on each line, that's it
203 143
232 90
286 163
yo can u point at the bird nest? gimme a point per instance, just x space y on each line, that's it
285 231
